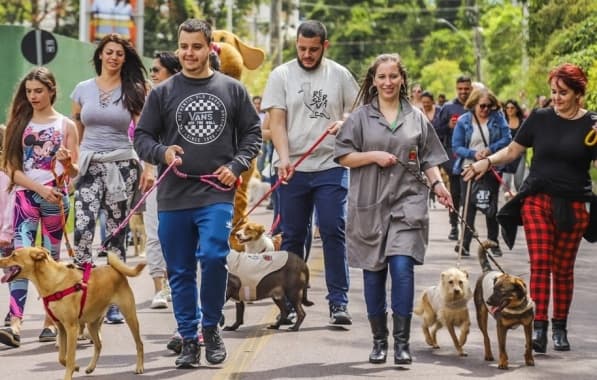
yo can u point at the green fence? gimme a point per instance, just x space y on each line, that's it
71 65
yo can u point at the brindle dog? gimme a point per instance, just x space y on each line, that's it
505 297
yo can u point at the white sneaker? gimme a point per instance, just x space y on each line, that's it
166 290
159 301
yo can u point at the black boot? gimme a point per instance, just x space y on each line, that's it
540 336
379 329
401 338
453 235
559 335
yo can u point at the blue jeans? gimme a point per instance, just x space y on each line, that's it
403 287
188 236
326 190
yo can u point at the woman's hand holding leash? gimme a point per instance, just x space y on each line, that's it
477 169
285 171
50 194
383 159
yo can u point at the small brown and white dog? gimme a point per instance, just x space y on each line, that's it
137 227
256 240
446 305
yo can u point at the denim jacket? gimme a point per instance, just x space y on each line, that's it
499 136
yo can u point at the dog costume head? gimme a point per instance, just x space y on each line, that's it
234 54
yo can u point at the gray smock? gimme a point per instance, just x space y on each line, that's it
388 207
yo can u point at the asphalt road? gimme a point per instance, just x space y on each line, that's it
319 351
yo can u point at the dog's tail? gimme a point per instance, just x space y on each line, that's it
115 262
306 301
482 254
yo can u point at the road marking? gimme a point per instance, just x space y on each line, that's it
245 354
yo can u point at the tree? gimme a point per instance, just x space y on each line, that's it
439 77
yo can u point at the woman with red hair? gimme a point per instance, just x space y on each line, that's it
551 203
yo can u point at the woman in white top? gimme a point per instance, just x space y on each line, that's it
40 151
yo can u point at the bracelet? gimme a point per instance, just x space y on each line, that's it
435 183
490 163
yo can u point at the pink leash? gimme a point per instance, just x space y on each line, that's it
126 220
280 180
501 181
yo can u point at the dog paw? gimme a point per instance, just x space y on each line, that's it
489 358
139 370
435 346
293 328
530 362
463 353
88 370
503 365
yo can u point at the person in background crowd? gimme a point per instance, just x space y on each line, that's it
552 200
514 171
388 206
478 133
441 100
103 108
415 95
305 98
447 121
195 218
164 65
40 145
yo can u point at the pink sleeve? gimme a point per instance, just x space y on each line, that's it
132 126
6 208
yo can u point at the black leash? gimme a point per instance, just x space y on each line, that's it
420 178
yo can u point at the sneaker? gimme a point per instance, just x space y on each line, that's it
47 335
496 252
9 338
113 316
453 233
215 351
189 355
465 251
159 301
166 290
175 342
339 315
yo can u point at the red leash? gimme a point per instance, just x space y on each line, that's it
501 181
280 180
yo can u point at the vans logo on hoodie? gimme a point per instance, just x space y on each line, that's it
201 118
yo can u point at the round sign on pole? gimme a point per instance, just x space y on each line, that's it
39 47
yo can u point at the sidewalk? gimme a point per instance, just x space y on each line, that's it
317 350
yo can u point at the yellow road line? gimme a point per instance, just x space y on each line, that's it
245 354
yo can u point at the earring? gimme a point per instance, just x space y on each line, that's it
372 90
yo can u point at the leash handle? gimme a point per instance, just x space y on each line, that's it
62 181
126 220
208 179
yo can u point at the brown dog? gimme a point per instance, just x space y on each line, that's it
137 227
446 305
286 278
505 297
106 285
256 240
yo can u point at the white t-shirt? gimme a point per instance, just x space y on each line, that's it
312 101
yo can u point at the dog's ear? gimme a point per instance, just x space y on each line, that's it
261 228
39 254
521 288
465 272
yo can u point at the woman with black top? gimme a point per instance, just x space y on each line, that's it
552 200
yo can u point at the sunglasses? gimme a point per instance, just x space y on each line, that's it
155 70
483 106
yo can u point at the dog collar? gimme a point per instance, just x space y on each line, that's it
523 307
79 286
459 304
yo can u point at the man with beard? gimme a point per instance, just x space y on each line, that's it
447 121
304 98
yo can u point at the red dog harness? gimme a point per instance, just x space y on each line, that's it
80 286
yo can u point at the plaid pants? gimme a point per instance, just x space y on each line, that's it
552 254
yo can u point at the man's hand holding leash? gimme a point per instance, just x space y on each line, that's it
173 153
